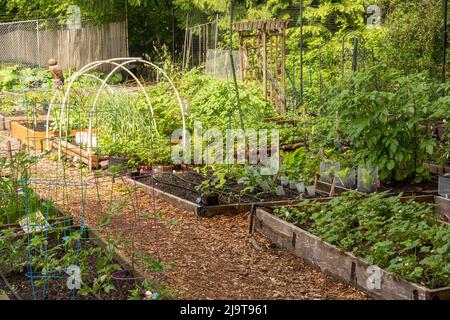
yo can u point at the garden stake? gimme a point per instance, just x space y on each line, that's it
444 44
333 188
252 215
355 54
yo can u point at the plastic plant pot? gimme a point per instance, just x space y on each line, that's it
327 171
311 190
265 186
444 186
284 180
346 178
300 187
280 191
367 179
293 185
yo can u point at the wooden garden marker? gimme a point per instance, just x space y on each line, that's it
333 187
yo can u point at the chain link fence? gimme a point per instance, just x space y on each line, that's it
32 43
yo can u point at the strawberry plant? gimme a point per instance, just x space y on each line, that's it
403 238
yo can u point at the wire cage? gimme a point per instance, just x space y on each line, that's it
367 179
327 171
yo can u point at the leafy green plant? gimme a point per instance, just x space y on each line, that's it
384 115
403 238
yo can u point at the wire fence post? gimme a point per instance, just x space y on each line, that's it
38 44
355 54
444 44
301 52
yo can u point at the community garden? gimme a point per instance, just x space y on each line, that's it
317 167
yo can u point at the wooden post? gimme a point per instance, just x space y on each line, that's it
301 52
333 188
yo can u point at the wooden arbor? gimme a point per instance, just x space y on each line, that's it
263 52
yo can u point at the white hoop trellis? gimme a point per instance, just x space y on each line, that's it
57 94
121 66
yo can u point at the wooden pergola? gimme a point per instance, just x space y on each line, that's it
262 45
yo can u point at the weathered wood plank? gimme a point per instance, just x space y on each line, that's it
176 201
344 266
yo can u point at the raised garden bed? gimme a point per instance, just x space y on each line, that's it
56 287
31 135
5 120
74 150
343 265
18 285
439 169
408 189
179 189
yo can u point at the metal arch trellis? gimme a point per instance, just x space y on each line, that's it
82 72
57 94
121 66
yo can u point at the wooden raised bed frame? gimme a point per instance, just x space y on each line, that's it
225 209
5 120
344 266
34 139
435 168
74 150
322 188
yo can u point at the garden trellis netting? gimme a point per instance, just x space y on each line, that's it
48 207
199 40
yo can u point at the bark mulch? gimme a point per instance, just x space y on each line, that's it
213 258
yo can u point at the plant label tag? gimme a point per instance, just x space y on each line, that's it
34 223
